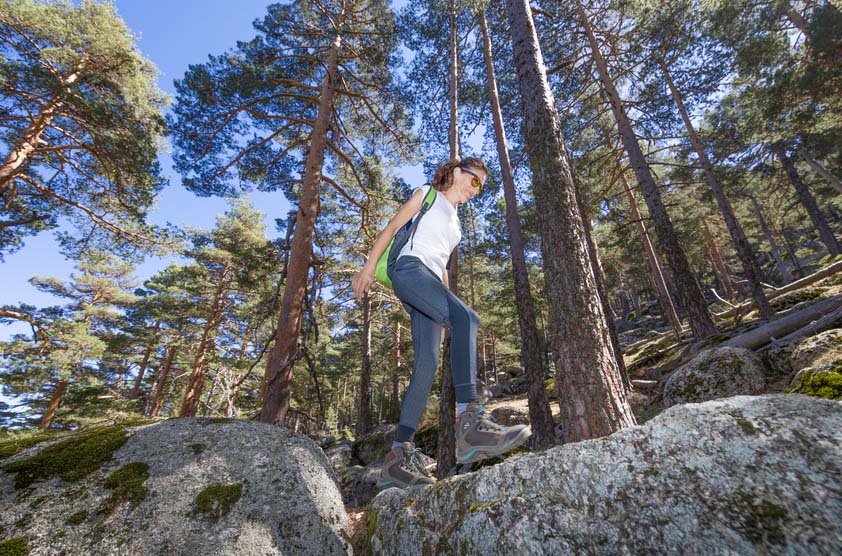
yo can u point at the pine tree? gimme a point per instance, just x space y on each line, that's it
82 119
272 111
591 394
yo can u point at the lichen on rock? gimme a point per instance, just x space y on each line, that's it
748 475
717 373
105 511
817 351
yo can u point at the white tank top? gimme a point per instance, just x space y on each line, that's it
437 234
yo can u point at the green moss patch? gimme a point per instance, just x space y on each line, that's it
821 384
24 440
216 420
216 500
549 387
479 507
127 484
371 526
792 299
488 462
17 546
71 459
197 448
763 523
78 517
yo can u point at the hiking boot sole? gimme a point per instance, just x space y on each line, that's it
479 454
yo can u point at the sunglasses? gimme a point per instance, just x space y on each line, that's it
475 181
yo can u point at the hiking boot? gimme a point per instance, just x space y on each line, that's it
403 468
478 438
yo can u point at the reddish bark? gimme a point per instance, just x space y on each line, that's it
282 358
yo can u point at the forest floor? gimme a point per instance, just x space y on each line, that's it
652 352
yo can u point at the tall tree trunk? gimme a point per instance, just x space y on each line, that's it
232 390
138 381
159 386
773 245
446 450
472 284
596 267
540 414
395 406
806 198
211 392
200 365
320 413
55 400
655 271
364 405
821 170
719 266
591 395
282 358
686 286
738 236
790 251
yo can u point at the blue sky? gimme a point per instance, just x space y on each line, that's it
172 34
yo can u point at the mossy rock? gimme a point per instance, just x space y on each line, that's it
821 383
71 459
17 546
127 484
198 448
216 500
21 441
427 440
789 300
817 351
488 462
374 446
215 420
718 373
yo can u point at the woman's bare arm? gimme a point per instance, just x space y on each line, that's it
364 278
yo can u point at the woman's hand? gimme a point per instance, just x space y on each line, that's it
362 281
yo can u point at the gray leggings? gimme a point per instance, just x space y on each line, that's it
430 305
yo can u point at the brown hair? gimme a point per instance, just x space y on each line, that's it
443 180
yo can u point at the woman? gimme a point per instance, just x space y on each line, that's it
419 278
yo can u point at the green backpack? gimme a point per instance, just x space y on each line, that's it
406 233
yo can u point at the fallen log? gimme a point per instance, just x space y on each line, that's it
759 337
829 270
827 322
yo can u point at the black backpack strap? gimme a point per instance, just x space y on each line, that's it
408 230
426 204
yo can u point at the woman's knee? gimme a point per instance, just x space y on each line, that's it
465 316
474 316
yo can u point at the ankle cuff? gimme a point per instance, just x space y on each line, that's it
404 434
